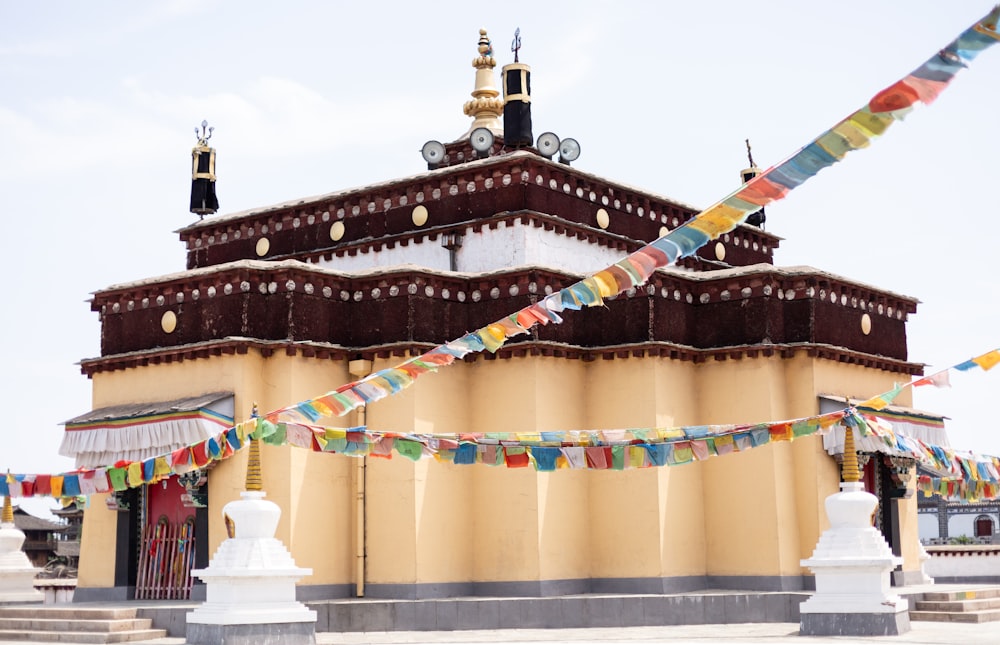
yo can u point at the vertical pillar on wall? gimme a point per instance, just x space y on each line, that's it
942 518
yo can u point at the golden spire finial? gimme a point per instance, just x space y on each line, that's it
486 105
253 482
849 465
8 512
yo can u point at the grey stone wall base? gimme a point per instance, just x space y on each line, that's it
263 634
103 594
967 580
854 624
906 578
556 613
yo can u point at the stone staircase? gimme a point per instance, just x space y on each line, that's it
978 606
67 624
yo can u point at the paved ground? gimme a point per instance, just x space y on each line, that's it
920 633
951 634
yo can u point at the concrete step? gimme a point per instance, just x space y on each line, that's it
74 625
985 616
974 594
69 624
958 605
81 637
65 612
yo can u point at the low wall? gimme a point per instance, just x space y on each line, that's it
965 563
56 590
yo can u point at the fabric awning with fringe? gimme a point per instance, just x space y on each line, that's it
908 422
138 431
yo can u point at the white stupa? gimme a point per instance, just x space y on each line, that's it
17 576
852 564
250 582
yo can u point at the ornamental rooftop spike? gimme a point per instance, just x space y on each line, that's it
485 107
203 198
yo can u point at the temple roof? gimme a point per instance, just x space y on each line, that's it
472 164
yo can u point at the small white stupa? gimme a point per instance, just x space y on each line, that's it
250 582
17 576
852 564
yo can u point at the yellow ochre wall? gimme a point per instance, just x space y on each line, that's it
753 514
305 485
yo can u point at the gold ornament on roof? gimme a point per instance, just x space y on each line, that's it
486 105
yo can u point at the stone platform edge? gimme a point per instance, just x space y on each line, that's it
560 612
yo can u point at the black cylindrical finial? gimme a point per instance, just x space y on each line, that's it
203 199
759 217
517 100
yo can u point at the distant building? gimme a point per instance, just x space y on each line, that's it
68 546
942 522
41 537
281 303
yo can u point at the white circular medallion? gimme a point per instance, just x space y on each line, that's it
168 322
603 219
337 231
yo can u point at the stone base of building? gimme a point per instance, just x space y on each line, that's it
881 624
254 634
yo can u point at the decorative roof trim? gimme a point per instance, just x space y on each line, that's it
325 351
221 280
470 168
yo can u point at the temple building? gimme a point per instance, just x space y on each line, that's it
281 303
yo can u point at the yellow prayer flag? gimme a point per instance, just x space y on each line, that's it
135 474
636 456
161 468
855 137
827 420
606 283
724 443
56 482
987 360
245 429
875 404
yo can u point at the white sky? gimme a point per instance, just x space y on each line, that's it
99 101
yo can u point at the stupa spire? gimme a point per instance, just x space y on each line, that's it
849 471
486 105
253 481
8 511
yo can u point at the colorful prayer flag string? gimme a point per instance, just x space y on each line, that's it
923 85
856 131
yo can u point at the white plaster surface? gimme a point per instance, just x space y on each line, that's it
511 244
251 578
852 561
17 576
960 565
